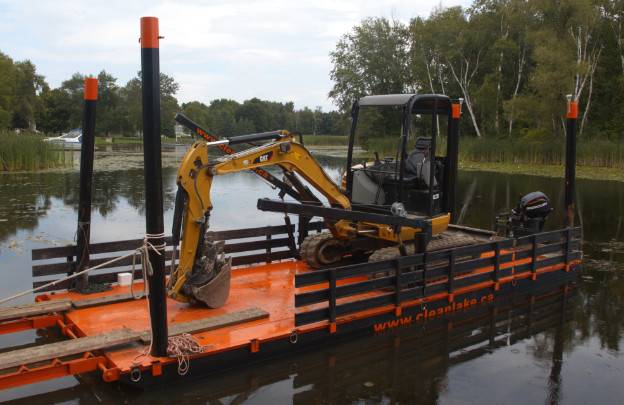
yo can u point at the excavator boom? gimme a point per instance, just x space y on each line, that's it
193 206
203 273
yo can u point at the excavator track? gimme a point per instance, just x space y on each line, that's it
322 249
438 242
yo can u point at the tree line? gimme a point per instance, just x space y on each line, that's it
513 62
28 102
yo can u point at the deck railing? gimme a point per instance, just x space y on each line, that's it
246 246
418 276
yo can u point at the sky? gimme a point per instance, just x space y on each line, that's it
276 50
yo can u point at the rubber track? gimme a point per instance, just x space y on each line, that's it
308 248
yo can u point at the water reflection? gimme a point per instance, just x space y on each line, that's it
407 365
557 359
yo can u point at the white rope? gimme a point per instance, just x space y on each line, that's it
143 250
180 347
146 265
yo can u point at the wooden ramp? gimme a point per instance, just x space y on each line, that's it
36 308
47 352
211 323
65 348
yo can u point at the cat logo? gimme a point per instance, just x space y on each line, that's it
264 158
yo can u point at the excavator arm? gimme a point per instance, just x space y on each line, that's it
201 274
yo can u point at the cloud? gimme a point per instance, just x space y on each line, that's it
237 49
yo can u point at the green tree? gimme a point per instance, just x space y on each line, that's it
108 113
132 102
223 116
29 85
199 113
7 74
506 66
74 88
372 59
566 50
56 113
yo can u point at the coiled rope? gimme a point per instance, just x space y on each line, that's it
179 347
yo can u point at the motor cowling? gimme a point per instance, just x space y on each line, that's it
528 216
534 205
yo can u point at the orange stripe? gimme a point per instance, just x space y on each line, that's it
90 88
573 109
456 110
149 32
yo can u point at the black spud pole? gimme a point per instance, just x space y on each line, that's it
150 69
570 165
452 155
83 232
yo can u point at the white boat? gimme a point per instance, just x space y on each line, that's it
72 139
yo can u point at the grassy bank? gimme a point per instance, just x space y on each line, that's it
582 172
596 159
589 152
28 152
326 140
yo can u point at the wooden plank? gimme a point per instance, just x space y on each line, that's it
53 252
255 245
41 270
63 285
36 308
211 323
248 233
94 248
109 299
51 351
261 257
317 226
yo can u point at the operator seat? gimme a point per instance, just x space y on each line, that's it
417 163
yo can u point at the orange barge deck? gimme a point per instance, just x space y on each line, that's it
278 308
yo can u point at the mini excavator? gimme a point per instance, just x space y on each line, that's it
381 203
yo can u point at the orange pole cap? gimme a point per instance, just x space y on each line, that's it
456 110
149 32
573 109
90 88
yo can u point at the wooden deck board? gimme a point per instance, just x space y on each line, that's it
109 299
51 351
211 323
36 308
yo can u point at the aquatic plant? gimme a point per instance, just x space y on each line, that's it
29 152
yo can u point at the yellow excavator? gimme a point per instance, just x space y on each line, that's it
368 207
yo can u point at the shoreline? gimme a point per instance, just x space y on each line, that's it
542 170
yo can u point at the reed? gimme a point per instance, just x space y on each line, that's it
589 152
28 152
325 140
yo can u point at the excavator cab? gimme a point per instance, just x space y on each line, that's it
415 177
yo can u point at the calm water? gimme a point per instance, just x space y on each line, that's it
560 349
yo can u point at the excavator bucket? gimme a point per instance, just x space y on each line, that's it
215 293
210 281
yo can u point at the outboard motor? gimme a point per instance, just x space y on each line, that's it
528 217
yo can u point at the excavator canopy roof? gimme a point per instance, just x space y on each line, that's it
420 103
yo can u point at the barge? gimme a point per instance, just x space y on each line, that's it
386 255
